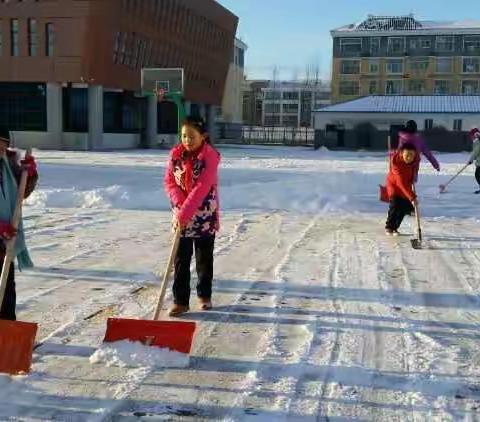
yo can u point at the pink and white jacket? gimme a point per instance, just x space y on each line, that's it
191 183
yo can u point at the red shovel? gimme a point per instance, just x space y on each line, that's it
173 335
16 338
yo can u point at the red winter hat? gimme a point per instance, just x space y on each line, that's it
475 132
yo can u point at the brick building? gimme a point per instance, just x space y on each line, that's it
70 70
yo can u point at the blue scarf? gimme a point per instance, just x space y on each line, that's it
8 199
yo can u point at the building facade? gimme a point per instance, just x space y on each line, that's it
253 101
70 71
232 104
290 104
403 56
366 123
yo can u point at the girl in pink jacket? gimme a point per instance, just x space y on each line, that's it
191 183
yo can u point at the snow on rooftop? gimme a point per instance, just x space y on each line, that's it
405 23
410 104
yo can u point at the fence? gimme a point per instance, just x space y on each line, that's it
268 135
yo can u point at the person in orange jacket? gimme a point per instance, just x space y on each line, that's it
400 179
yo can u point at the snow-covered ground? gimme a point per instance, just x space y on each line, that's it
318 316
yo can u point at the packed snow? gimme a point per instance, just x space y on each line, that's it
317 314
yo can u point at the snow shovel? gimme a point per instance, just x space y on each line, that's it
417 243
16 338
444 187
174 335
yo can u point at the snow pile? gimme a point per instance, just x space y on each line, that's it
127 354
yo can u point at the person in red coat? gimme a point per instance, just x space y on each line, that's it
400 179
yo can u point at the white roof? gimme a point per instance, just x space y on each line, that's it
408 104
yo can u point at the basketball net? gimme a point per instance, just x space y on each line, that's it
160 94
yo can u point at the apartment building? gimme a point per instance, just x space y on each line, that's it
400 55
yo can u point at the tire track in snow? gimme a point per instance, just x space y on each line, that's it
271 348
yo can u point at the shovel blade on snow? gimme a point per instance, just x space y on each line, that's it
416 243
16 346
173 335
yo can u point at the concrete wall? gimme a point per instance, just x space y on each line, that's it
75 141
377 141
38 140
120 141
165 141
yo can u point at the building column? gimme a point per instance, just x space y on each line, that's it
95 116
211 122
55 113
202 111
188 108
152 121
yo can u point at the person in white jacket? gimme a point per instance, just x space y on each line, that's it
475 156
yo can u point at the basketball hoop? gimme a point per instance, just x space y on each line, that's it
160 94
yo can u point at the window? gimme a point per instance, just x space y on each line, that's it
351 46
272 120
116 46
350 67
445 44
373 66
14 37
32 37
23 106
122 112
122 48
393 87
425 43
373 87
419 65
75 110
471 44
428 124
471 65
290 121
290 95
349 88
290 108
394 66
441 87
375 46
396 45
272 107
470 87
273 95
457 125
416 86
444 65
49 39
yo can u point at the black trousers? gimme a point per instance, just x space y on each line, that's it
204 265
477 175
7 308
399 208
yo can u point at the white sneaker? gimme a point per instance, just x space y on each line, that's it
389 232
396 233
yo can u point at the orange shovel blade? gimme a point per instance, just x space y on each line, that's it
16 346
173 335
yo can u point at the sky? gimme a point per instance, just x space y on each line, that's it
290 35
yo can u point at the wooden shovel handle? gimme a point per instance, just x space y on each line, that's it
168 270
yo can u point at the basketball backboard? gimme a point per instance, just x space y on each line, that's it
167 80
